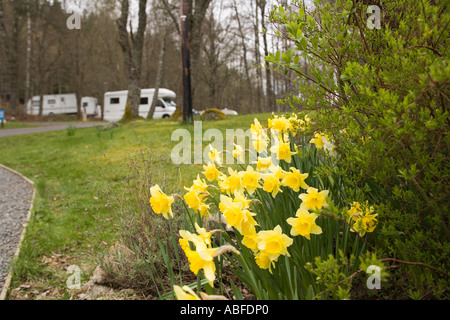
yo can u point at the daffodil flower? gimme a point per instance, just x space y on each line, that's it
295 179
238 153
280 124
236 215
232 183
260 143
363 219
214 155
160 202
185 293
318 140
314 199
202 258
304 224
211 172
273 242
272 184
283 151
263 261
263 164
257 130
250 179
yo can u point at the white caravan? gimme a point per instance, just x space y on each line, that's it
91 105
115 104
62 104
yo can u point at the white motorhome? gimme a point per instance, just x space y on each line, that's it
115 104
62 104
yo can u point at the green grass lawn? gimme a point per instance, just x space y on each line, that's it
70 223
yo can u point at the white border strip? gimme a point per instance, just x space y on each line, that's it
8 278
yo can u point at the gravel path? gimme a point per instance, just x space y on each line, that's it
15 201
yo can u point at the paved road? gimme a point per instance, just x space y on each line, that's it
48 126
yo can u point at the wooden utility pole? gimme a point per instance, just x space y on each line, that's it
186 61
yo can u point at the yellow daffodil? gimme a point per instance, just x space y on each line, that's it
362 218
260 143
250 179
202 258
272 184
214 155
263 164
203 210
232 211
193 200
185 293
249 241
295 180
257 130
199 185
204 234
232 183
236 215
211 172
314 199
248 224
299 125
369 222
160 202
318 140
283 151
238 153
304 224
364 224
240 197
278 172
273 243
355 211
263 261
280 124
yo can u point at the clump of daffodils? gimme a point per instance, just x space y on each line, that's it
362 218
269 177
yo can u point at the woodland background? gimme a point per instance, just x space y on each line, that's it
40 55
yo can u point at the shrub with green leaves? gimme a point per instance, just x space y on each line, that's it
382 95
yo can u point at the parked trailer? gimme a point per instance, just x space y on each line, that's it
58 104
115 103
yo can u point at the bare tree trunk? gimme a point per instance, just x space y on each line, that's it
132 47
269 88
197 16
159 74
11 54
185 23
28 58
244 48
259 85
